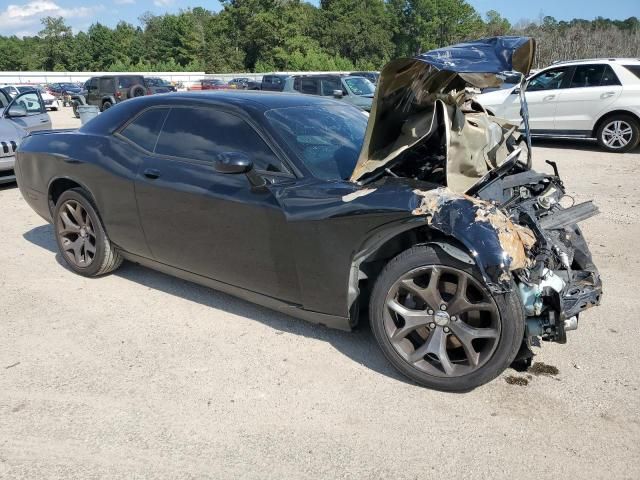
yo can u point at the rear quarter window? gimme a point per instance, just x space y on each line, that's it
635 69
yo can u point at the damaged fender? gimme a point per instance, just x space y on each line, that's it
497 245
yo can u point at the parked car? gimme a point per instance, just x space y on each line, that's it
371 76
241 83
213 84
49 100
158 85
427 212
592 99
18 116
270 82
105 91
357 91
62 89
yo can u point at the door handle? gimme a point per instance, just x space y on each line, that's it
44 121
607 94
548 97
151 173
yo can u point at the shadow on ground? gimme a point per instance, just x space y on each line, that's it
359 345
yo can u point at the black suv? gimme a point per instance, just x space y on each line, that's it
108 90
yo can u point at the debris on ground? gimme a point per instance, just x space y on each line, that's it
540 368
514 380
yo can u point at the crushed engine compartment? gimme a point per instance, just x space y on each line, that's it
425 125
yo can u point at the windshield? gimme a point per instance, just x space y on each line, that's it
327 139
24 88
68 85
360 85
157 82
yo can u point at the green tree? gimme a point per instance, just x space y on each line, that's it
496 24
56 46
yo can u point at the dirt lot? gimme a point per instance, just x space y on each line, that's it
140 375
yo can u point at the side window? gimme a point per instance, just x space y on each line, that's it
144 130
587 76
296 84
30 101
549 80
203 133
266 79
93 85
309 85
106 84
609 77
329 85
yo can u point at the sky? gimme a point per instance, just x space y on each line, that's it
22 17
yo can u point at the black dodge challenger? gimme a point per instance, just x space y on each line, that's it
424 216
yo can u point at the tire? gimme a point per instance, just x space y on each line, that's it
137 91
75 110
106 105
78 229
496 328
618 133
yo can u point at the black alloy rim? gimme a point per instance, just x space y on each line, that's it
76 234
442 321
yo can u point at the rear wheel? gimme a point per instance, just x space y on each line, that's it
80 235
106 105
618 133
438 323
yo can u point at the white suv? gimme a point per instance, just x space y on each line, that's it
598 99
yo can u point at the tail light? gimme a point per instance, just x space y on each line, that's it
118 95
148 91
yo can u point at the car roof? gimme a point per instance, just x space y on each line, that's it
621 61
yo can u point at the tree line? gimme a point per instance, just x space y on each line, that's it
292 35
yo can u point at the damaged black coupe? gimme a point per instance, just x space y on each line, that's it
426 215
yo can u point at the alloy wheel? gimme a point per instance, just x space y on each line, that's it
442 321
617 134
76 234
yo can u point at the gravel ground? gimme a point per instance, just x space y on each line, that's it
140 375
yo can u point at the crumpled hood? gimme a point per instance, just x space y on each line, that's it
416 97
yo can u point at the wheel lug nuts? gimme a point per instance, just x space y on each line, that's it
446 329
454 318
430 312
443 307
432 325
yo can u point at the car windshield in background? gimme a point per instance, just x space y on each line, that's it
157 82
360 85
25 88
327 139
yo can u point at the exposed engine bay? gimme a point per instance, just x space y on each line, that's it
427 126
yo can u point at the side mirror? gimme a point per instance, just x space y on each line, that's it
233 162
338 93
17 111
515 91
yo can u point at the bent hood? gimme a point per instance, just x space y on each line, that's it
427 96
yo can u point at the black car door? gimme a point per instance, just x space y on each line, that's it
216 224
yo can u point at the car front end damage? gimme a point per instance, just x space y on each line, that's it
517 225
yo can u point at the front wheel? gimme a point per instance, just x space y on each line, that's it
618 133
106 105
438 323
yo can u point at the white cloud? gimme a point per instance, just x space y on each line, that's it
124 2
162 3
25 17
